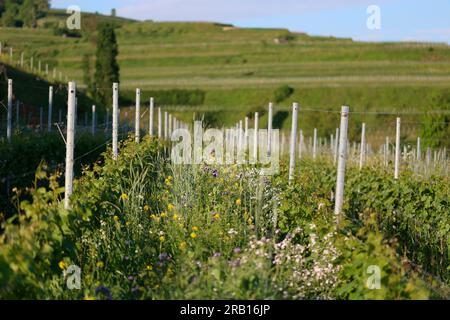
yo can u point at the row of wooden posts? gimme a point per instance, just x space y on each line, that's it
40 68
339 147
170 123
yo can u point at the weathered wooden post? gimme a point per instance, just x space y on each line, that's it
115 120
255 138
9 116
419 152
70 144
150 124
315 144
293 141
166 119
335 147
339 199
21 59
137 121
246 142
362 154
50 108
159 123
169 130
301 144
397 150
269 128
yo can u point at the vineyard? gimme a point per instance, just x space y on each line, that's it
140 226
221 166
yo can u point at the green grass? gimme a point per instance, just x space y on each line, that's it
239 69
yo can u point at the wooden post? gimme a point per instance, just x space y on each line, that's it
293 141
93 120
70 144
315 144
9 116
269 129
246 142
50 108
339 199
32 64
169 129
397 150
46 69
159 123
39 66
362 154
418 149
166 116
255 138
115 120
150 124
336 146
21 59
137 122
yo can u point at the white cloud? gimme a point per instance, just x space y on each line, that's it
226 10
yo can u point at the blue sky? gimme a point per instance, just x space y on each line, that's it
401 20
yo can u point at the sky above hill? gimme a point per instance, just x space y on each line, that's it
400 20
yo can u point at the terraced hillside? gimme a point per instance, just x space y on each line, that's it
237 70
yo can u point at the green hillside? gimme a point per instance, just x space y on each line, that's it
236 71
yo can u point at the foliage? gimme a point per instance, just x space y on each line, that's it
106 66
141 228
282 93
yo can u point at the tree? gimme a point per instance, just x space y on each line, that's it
31 10
106 66
9 16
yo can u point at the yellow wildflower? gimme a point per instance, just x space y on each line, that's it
62 265
163 214
175 217
216 216
149 267
127 223
88 297
146 208
116 218
193 235
238 201
194 228
162 238
124 196
182 245
170 207
100 264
